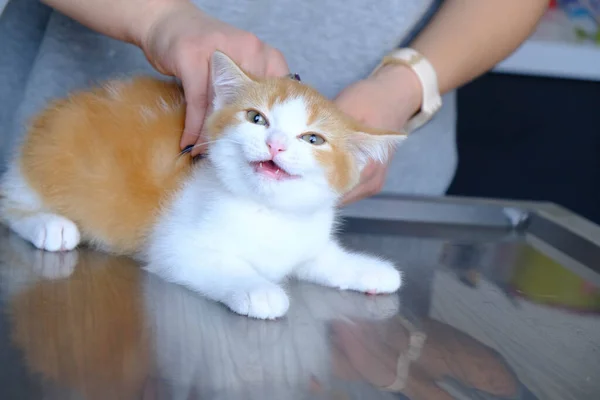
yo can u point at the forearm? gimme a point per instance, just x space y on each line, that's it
125 20
466 38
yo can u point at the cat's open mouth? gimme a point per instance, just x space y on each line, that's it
270 169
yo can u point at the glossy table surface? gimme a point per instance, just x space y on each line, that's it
485 313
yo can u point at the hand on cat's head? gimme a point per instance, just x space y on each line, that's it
281 140
180 41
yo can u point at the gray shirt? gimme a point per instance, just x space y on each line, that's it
44 54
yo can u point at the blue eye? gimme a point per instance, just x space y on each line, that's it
313 139
256 118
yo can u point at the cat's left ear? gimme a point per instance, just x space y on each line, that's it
227 79
374 145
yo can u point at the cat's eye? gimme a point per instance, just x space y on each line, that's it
313 138
256 118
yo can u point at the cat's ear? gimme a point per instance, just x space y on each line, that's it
374 145
226 78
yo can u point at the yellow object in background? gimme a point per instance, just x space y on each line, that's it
543 280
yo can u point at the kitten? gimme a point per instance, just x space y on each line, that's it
103 167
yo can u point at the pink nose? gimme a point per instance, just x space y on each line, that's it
275 146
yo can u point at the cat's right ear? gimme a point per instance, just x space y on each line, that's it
226 78
374 144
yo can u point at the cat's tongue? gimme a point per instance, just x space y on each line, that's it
270 170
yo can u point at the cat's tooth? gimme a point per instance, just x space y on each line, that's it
277 172
260 164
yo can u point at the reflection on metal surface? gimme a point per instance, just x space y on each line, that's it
482 314
416 342
428 210
580 248
465 260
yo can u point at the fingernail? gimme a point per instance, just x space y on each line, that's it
187 149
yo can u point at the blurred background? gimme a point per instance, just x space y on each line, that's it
538 137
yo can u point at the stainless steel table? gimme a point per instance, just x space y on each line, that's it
500 301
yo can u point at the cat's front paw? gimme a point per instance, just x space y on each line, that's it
55 233
372 275
263 301
384 278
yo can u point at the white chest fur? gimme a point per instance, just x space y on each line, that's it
205 218
236 250
272 242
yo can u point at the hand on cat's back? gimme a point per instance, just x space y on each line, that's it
180 43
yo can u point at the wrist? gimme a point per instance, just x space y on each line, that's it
154 12
431 100
398 78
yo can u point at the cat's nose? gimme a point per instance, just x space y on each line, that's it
275 146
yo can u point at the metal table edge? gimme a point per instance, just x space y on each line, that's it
559 228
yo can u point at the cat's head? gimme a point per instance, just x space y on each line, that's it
282 142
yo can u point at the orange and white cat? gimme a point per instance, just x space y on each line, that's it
103 167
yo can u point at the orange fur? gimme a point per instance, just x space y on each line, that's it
108 158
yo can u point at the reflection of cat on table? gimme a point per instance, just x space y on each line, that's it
153 337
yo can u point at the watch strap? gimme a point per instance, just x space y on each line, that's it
432 101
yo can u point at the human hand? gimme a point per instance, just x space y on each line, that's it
386 100
181 41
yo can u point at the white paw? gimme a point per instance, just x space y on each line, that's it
381 277
265 301
373 276
55 233
55 265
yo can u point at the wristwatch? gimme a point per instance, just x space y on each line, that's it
432 101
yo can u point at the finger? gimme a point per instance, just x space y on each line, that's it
194 79
360 190
370 187
358 193
255 67
256 64
378 180
276 63
352 196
